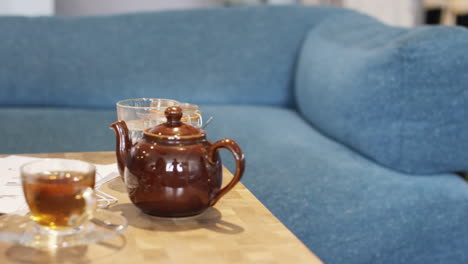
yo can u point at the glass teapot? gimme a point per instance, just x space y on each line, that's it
174 171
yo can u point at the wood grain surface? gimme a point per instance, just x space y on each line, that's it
239 229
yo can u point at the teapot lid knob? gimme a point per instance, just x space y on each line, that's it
173 116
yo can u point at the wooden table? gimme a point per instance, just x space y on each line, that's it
239 229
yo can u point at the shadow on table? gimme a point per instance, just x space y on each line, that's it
117 185
72 255
210 219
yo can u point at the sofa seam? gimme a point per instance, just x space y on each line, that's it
402 126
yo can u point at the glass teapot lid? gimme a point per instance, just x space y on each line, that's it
174 129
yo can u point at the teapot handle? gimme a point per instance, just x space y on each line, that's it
236 152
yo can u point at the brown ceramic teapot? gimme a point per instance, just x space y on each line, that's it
174 171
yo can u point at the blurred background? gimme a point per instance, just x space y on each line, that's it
404 13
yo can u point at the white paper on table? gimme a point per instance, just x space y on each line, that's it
11 191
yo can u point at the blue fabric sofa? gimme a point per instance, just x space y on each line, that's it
353 130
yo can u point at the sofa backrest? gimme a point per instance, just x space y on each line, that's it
211 56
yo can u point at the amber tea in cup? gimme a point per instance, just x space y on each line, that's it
59 192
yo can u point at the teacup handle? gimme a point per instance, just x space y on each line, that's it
89 197
236 152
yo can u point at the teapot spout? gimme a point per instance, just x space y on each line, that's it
122 144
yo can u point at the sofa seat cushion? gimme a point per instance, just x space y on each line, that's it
398 96
36 130
343 206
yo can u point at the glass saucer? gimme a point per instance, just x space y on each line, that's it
23 231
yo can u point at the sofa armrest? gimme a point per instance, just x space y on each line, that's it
398 96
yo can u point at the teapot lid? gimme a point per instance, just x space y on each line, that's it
174 129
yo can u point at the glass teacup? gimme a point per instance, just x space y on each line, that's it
61 198
59 193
